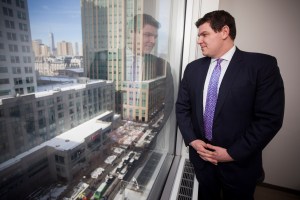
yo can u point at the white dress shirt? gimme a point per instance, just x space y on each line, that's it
224 65
132 61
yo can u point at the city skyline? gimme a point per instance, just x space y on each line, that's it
62 18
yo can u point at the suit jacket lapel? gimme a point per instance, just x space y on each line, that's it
203 69
229 77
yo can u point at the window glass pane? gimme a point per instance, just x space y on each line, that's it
87 96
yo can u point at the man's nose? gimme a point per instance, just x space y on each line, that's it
152 39
199 40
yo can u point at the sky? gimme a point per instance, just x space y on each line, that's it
61 17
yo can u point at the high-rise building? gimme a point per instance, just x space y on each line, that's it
17 75
64 48
107 36
40 49
36 47
76 49
44 50
52 44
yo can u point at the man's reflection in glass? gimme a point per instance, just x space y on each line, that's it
143 68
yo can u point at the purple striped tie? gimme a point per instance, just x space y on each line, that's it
211 100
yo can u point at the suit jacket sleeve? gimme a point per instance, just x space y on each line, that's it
184 109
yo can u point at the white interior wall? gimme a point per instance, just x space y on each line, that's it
273 27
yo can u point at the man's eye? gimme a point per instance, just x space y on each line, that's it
202 35
150 35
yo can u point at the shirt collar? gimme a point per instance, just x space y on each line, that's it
227 56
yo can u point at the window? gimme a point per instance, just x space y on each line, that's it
30 89
29 79
71 96
21 15
51 115
18 81
24 38
11 36
123 93
19 91
60 107
28 108
26 59
59 99
7 1
41 113
9 24
16 70
28 70
2 58
4 92
23 27
3 69
59 159
71 111
50 101
7 12
60 115
14 111
13 47
4 81
40 103
26 49
20 3
14 59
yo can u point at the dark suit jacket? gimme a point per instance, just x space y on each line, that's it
159 67
249 110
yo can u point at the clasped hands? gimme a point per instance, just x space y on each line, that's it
211 153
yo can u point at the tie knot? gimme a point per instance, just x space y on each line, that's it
219 60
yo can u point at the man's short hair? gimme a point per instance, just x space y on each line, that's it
217 20
144 19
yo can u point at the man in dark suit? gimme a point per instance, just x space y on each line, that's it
226 152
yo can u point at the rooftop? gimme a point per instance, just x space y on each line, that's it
66 140
60 84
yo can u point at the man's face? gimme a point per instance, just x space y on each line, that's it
148 38
210 41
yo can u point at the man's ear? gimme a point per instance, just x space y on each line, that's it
225 32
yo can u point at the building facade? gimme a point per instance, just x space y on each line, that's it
50 66
64 48
58 159
17 75
29 120
40 49
142 101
